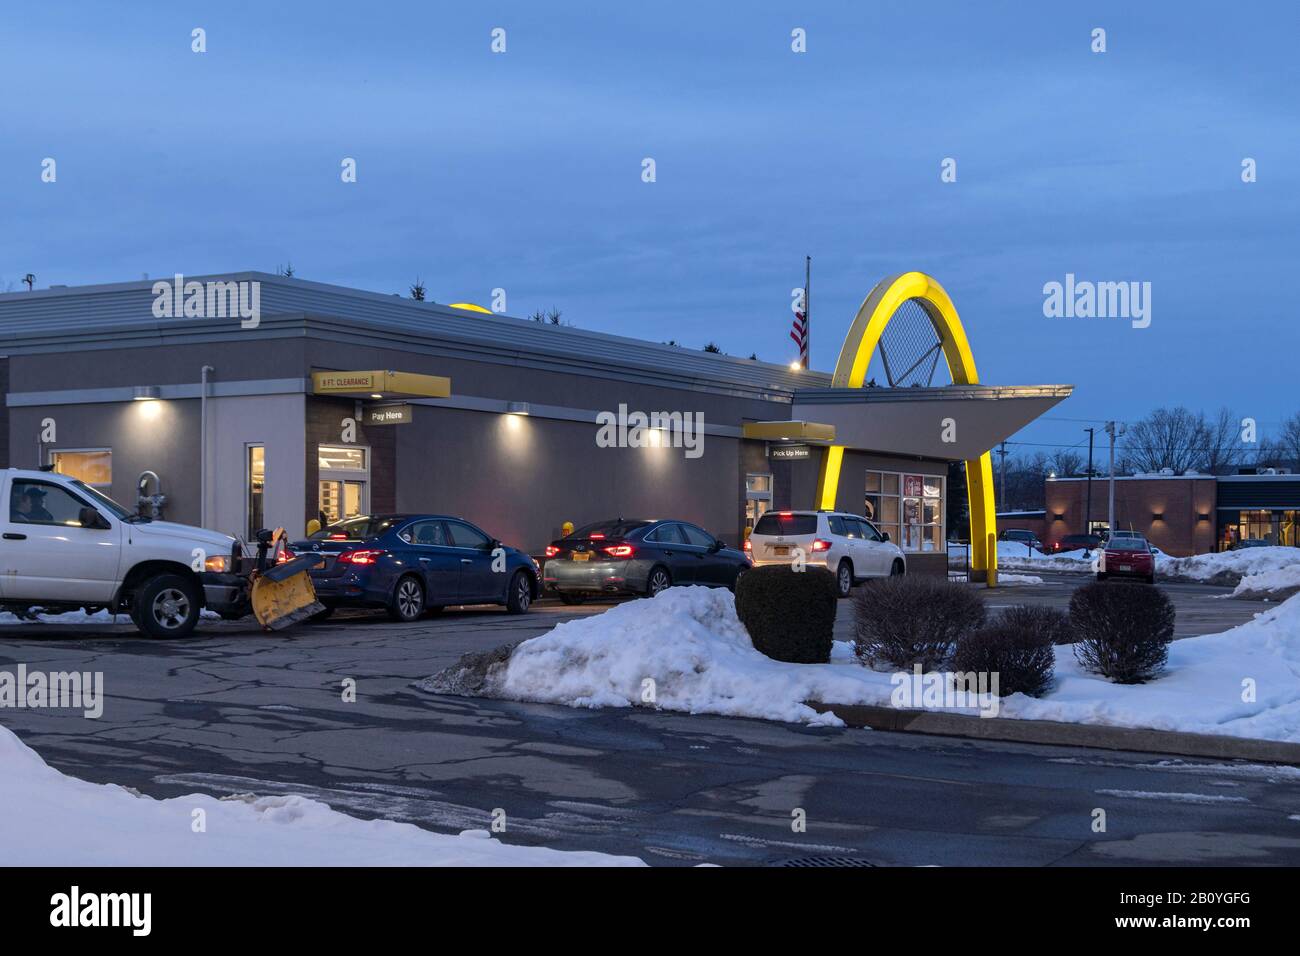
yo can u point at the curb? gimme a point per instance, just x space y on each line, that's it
1057 733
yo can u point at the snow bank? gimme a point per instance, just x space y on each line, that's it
690 643
49 819
67 617
1282 582
1227 567
1200 690
1018 556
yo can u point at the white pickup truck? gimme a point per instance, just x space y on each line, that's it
64 545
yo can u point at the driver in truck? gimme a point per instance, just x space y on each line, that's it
29 504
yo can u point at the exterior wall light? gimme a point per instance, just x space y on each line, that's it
518 408
1203 517
1059 516
1157 516
146 393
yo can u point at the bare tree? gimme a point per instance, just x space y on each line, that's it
1221 451
1067 462
417 290
713 347
1167 438
1287 444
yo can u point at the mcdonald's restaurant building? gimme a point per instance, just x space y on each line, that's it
327 401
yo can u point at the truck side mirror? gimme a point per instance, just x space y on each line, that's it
90 518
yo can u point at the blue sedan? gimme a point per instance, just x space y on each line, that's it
417 564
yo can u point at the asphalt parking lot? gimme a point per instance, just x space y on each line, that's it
237 711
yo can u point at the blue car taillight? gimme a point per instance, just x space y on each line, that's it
360 557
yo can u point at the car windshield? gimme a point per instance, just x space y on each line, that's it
608 529
784 523
360 528
104 501
1128 543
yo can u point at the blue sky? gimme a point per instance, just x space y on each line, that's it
522 170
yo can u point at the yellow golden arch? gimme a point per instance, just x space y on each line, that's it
855 355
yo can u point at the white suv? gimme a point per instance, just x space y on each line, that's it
849 546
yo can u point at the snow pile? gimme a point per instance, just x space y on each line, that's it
1227 567
1279 582
1018 556
1200 690
1019 579
67 617
689 642
48 819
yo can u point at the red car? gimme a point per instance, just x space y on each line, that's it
1127 557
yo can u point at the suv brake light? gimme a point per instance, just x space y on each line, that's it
821 544
748 545
360 557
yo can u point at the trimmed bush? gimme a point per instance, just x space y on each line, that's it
790 615
1022 658
913 619
1051 622
1123 630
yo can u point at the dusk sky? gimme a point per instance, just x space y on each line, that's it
522 170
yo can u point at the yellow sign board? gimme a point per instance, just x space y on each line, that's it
380 384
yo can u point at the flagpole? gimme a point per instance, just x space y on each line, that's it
807 310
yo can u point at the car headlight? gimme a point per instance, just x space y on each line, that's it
220 563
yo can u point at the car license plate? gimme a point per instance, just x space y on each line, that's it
581 556
782 552
1126 567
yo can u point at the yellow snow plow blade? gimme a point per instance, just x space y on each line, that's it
283 594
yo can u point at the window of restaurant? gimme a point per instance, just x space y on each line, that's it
94 466
344 482
758 499
909 507
256 485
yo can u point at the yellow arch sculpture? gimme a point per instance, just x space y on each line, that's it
855 355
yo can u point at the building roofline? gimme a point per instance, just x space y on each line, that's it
106 315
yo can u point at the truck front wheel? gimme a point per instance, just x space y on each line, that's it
166 606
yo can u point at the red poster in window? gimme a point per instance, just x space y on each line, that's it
913 486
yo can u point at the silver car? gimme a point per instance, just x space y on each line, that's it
847 545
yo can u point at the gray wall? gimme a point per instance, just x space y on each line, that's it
168 444
521 478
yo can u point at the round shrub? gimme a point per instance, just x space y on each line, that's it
790 615
909 619
1123 630
1051 622
1022 659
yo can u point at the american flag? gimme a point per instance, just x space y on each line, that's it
799 332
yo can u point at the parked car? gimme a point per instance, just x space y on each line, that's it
641 556
1127 556
1020 536
1073 542
847 545
415 564
68 546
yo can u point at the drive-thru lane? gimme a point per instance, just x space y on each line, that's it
236 711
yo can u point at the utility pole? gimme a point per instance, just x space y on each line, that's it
1087 511
1002 480
1112 431
30 280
